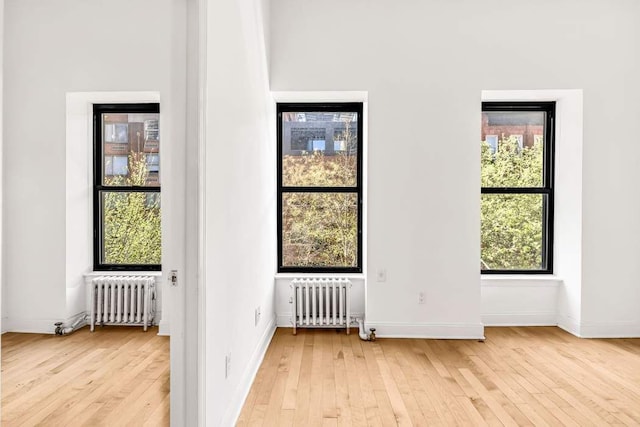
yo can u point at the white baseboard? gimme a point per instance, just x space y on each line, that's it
250 372
409 330
623 329
42 326
283 320
615 329
569 324
427 330
30 326
164 328
543 318
39 326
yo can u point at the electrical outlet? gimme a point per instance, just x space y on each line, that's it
381 275
227 365
257 316
421 298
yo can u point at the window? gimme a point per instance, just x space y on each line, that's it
153 162
320 187
126 190
519 140
517 187
116 165
116 132
492 140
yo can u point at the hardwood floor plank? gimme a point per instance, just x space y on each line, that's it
400 410
395 362
327 373
355 397
371 411
438 382
343 403
409 364
291 386
303 388
315 383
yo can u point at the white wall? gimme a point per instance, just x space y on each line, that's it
75 49
424 65
239 221
611 222
192 402
517 301
2 299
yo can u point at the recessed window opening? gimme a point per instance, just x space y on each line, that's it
517 160
126 190
319 187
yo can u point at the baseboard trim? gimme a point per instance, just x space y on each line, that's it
569 324
410 330
615 329
242 391
31 326
542 318
427 330
42 326
164 328
622 329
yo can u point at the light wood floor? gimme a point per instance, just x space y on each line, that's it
518 376
114 376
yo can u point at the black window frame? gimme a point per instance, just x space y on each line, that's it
297 107
99 187
547 189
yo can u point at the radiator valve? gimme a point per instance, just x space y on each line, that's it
372 334
59 328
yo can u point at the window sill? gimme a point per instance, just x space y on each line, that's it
123 273
523 280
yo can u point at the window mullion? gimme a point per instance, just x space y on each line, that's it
133 189
290 189
515 190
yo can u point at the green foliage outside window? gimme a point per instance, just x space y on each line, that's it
131 221
511 227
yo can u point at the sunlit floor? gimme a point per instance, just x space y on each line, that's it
114 376
518 376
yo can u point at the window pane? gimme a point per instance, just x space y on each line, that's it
319 229
511 230
130 228
512 148
116 132
153 162
120 165
492 141
319 149
130 149
108 165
